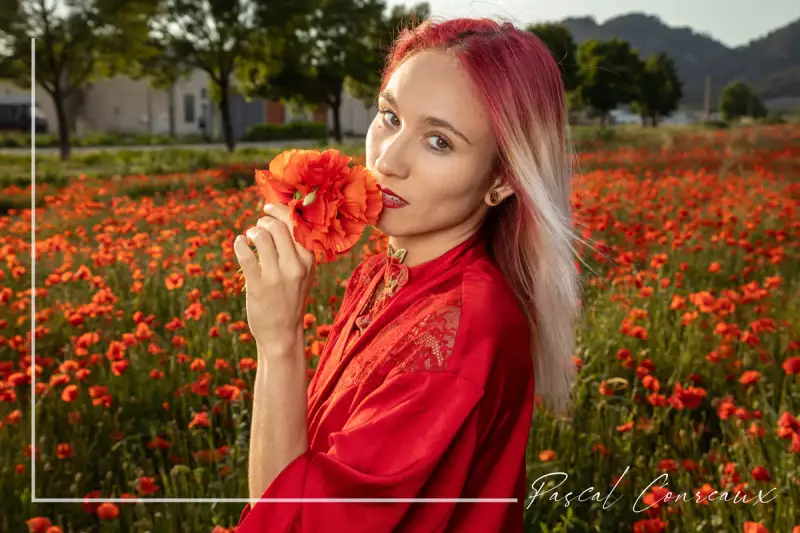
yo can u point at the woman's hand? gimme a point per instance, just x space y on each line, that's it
277 289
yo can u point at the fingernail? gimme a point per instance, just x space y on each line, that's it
267 207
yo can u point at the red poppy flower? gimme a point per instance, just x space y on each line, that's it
107 511
38 524
330 202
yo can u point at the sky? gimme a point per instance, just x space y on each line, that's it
732 22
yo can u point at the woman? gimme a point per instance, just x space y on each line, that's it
425 387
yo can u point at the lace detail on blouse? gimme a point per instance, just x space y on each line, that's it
420 339
431 340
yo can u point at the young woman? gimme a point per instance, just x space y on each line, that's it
425 388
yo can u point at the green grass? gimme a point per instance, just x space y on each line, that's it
15 169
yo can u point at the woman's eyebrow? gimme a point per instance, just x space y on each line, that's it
433 121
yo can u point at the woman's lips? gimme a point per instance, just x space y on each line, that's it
391 199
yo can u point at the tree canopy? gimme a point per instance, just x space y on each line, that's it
610 73
660 89
738 100
76 42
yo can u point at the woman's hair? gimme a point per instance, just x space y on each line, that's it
530 233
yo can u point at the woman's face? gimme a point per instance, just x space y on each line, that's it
432 145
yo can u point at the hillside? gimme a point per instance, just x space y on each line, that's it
770 64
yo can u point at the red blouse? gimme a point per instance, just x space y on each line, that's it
428 394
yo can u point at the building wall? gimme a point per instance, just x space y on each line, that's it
355 116
127 106
245 114
274 113
119 105
193 101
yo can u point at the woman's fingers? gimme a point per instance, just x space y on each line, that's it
247 259
284 242
283 214
267 254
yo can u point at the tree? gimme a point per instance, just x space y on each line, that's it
221 36
559 41
76 41
660 89
738 100
291 80
337 43
394 21
609 73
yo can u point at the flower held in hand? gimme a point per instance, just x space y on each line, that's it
330 201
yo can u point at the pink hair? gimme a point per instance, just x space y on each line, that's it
531 233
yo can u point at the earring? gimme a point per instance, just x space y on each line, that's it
494 197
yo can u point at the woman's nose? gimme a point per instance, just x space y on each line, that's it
392 158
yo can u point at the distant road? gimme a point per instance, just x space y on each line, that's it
146 148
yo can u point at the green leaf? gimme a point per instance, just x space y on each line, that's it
179 469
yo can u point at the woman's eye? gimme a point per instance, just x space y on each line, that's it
440 144
387 112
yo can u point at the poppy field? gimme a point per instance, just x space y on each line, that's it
687 405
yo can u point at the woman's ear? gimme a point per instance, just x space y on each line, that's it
505 190
499 192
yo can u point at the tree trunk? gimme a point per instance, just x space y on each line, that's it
63 124
149 101
337 123
171 97
336 107
225 111
643 118
654 120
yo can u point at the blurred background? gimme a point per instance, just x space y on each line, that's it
230 71
150 119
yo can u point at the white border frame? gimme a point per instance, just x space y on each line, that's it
34 499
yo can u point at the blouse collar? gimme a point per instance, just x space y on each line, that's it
474 246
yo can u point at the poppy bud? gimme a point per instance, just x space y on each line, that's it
308 200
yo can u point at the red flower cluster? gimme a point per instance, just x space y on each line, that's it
330 201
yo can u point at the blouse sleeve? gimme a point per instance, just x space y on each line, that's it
415 434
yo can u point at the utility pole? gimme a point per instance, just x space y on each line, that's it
707 100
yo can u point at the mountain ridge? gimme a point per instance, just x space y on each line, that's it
770 63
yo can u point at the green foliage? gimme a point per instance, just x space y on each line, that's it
76 42
367 86
717 124
291 131
158 187
561 44
610 73
660 89
773 118
16 169
738 101
341 44
23 140
222 37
